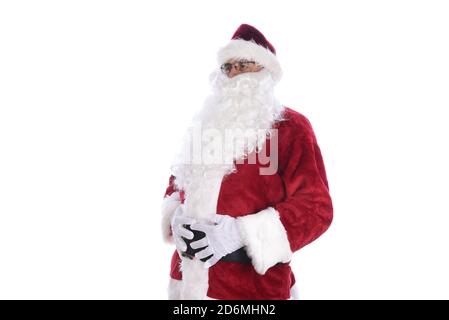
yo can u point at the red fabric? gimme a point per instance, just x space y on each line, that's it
248 33
175 266
171 188
298 191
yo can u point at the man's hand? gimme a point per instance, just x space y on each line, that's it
177 225
222 237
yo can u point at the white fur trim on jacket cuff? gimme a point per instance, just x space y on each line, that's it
169 205
265 239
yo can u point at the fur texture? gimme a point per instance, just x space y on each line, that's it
242 49
265 238
169 205
174 289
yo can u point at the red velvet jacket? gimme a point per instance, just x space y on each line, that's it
299 194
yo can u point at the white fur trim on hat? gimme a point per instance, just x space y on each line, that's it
243 49
265 239
169 205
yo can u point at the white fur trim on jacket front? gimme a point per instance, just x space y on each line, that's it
174 289
169 206
243 49
265 239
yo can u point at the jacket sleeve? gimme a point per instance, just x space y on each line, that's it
273 234
170 203
307 211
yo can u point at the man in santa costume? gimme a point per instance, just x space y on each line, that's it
249 187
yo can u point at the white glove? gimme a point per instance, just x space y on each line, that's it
222 237
177 226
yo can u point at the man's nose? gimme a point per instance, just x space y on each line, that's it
234 71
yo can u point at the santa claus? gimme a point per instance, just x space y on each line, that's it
249 187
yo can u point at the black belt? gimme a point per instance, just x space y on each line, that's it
236 256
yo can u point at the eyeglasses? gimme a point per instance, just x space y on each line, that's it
242 66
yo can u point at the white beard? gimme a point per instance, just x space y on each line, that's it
244 105
244 102
242 108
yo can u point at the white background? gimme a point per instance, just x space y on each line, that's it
95 95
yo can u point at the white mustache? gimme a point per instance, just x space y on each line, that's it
244 83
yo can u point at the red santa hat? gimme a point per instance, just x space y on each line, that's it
249 43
